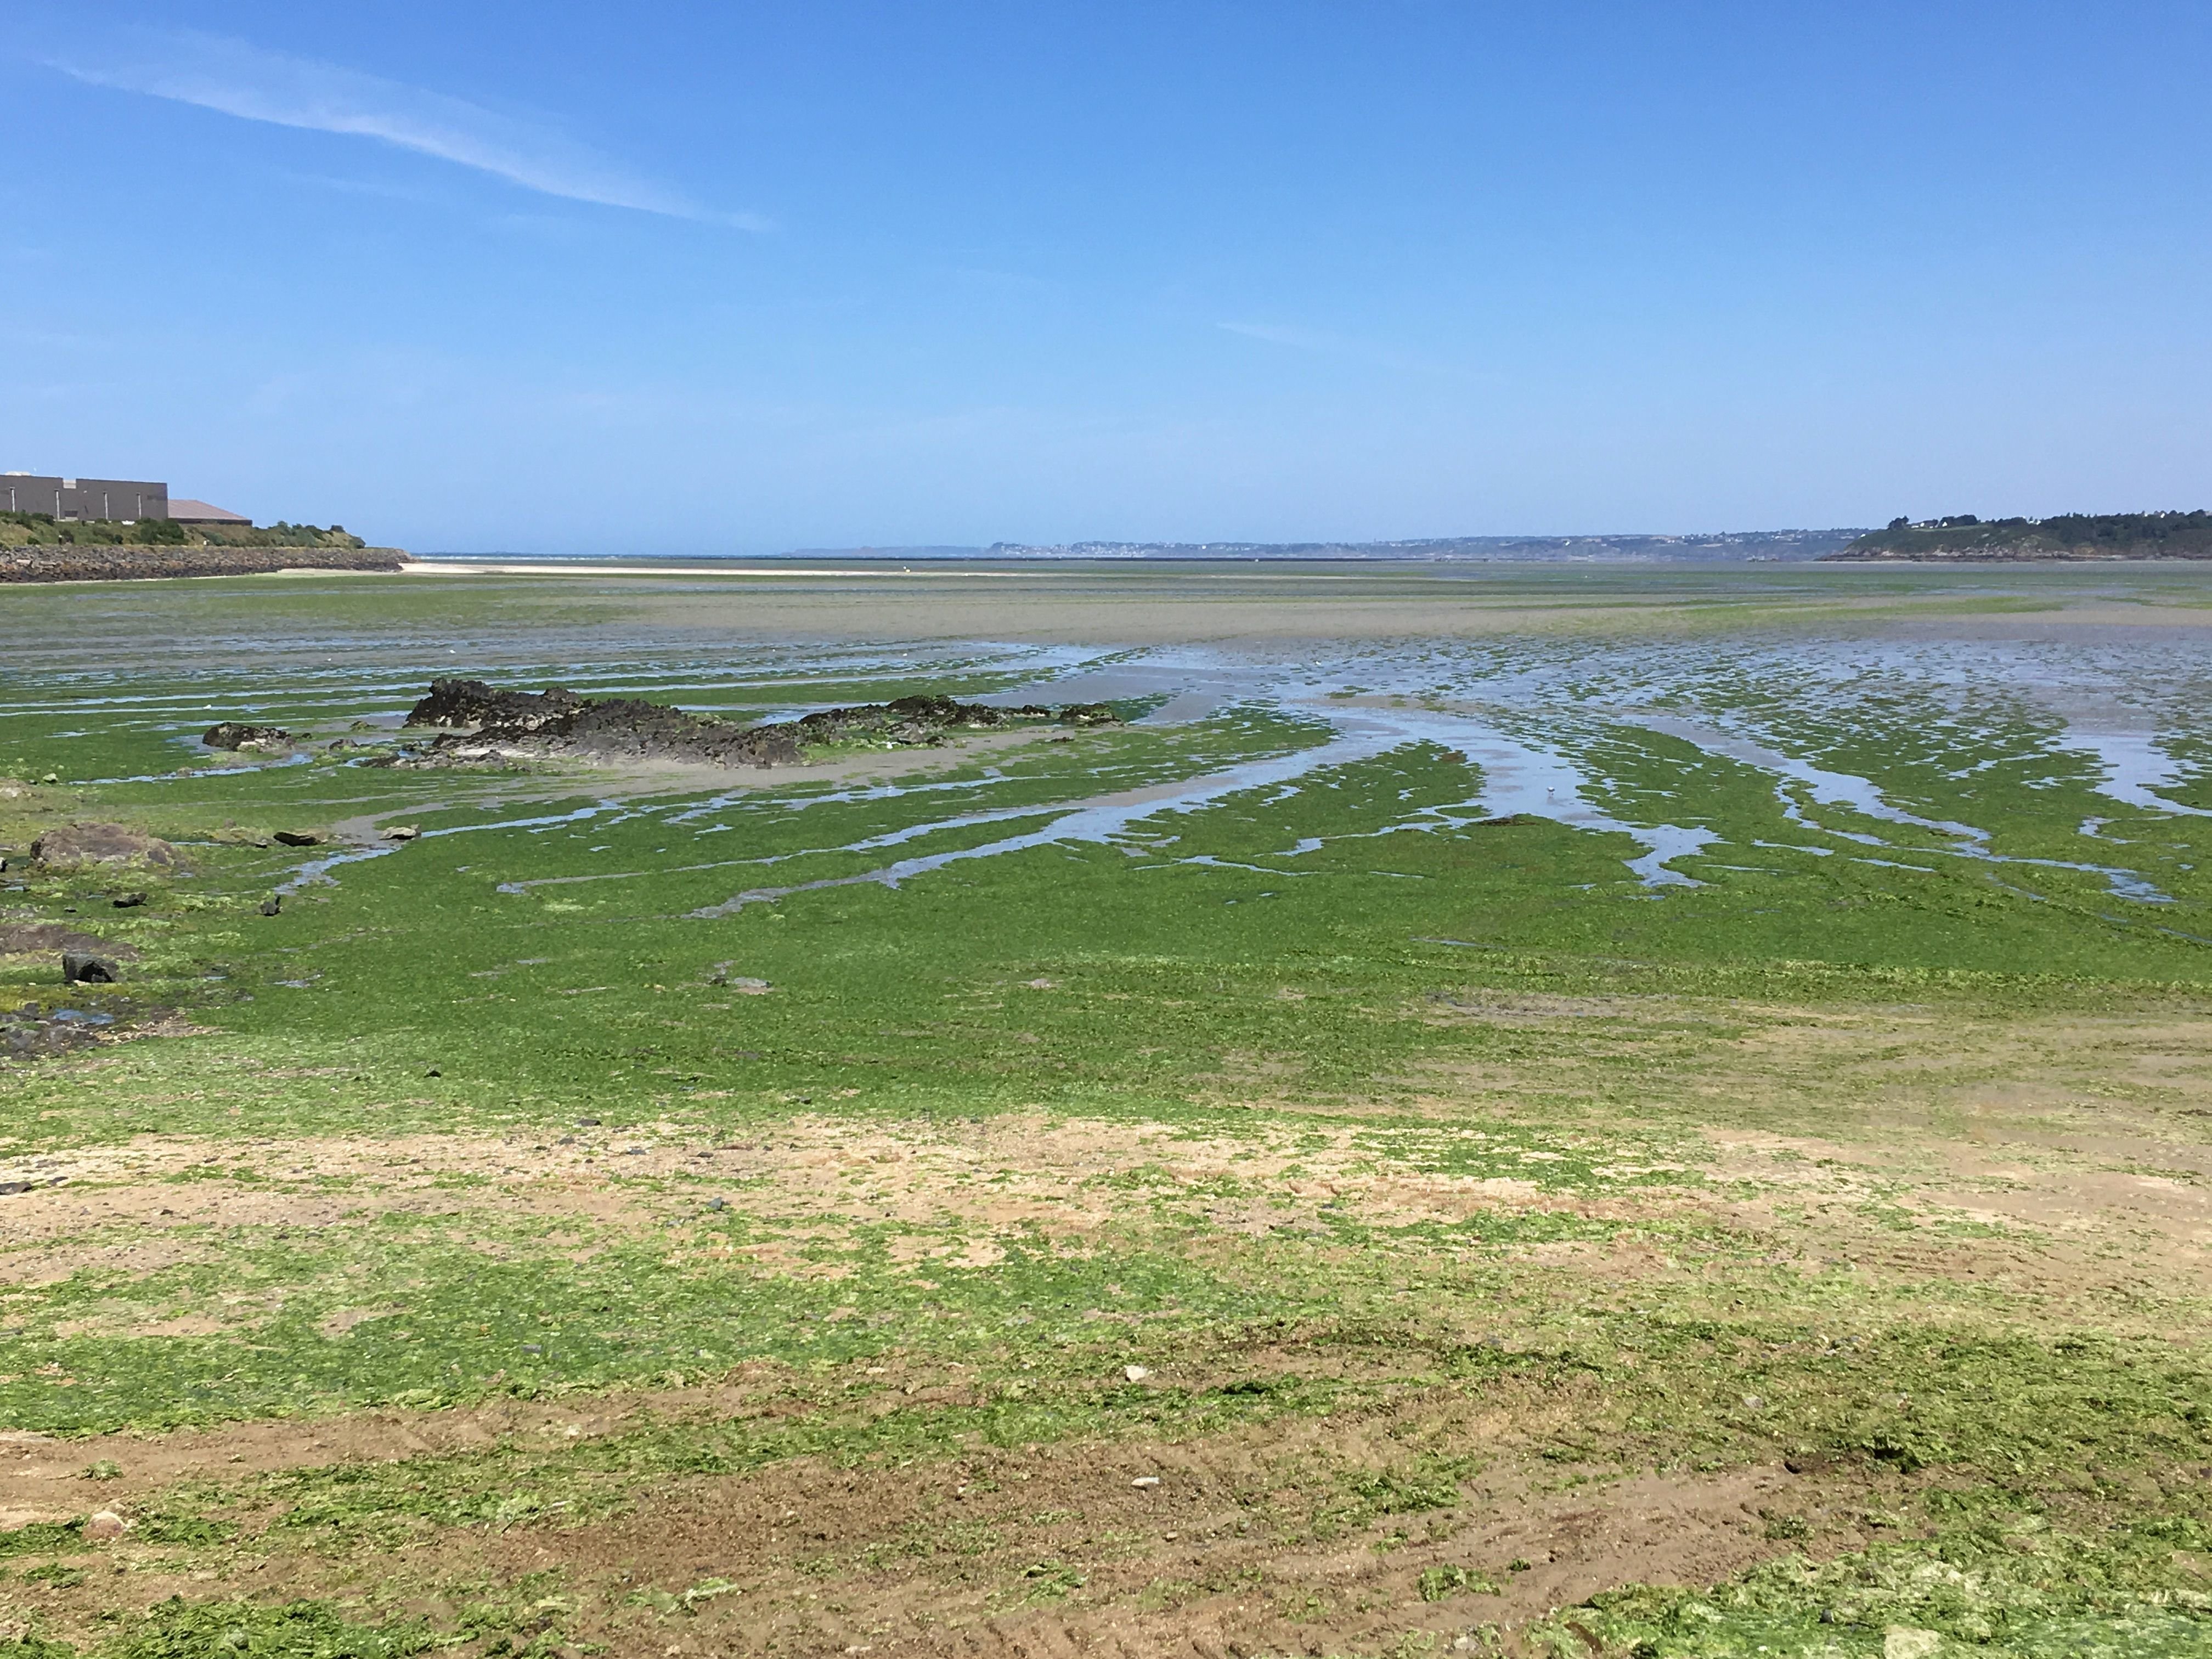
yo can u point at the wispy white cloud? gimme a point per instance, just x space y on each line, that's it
255 84
1305 340
1333 345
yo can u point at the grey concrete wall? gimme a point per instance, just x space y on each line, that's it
84 498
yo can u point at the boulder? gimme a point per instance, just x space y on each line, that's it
473 704
82 968
77 844
298 838
236 734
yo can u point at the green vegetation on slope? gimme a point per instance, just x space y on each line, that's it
2069 536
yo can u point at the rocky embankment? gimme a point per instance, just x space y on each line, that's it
108 564
484 724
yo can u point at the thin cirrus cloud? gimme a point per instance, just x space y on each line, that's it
255 84
1333 345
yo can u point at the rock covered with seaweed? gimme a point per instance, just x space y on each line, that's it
481 723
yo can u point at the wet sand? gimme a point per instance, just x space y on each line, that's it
1122 603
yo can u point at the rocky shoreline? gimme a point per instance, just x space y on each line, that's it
108 564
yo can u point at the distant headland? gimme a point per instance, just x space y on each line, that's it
2070 536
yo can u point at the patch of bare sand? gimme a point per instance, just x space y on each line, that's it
1227 1547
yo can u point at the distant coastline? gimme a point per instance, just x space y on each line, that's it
1744 544
2072 535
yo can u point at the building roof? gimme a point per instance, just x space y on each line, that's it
187 511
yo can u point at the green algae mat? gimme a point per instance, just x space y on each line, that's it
1585 1111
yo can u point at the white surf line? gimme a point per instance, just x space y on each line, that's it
1862 795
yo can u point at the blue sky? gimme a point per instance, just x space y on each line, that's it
702 278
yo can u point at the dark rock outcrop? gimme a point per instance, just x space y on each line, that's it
83 967
484 723
472 703
236 734
556 724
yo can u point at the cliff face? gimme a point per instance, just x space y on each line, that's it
108 564
2072 535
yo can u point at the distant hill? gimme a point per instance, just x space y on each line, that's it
2070 536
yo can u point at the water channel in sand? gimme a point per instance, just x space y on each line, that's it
1539 720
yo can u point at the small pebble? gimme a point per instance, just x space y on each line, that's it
1135 1373
104 1525
1146 1481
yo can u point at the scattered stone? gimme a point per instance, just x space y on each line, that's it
235 735
1146 1481
587 1123
81 967
10 1188
273 905
1135 1373
130 901
104 1526
77 844
403 832
1904 1642
298 838
718 1204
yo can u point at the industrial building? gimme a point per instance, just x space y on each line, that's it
126 500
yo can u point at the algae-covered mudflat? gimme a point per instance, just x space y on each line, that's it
1579 1111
